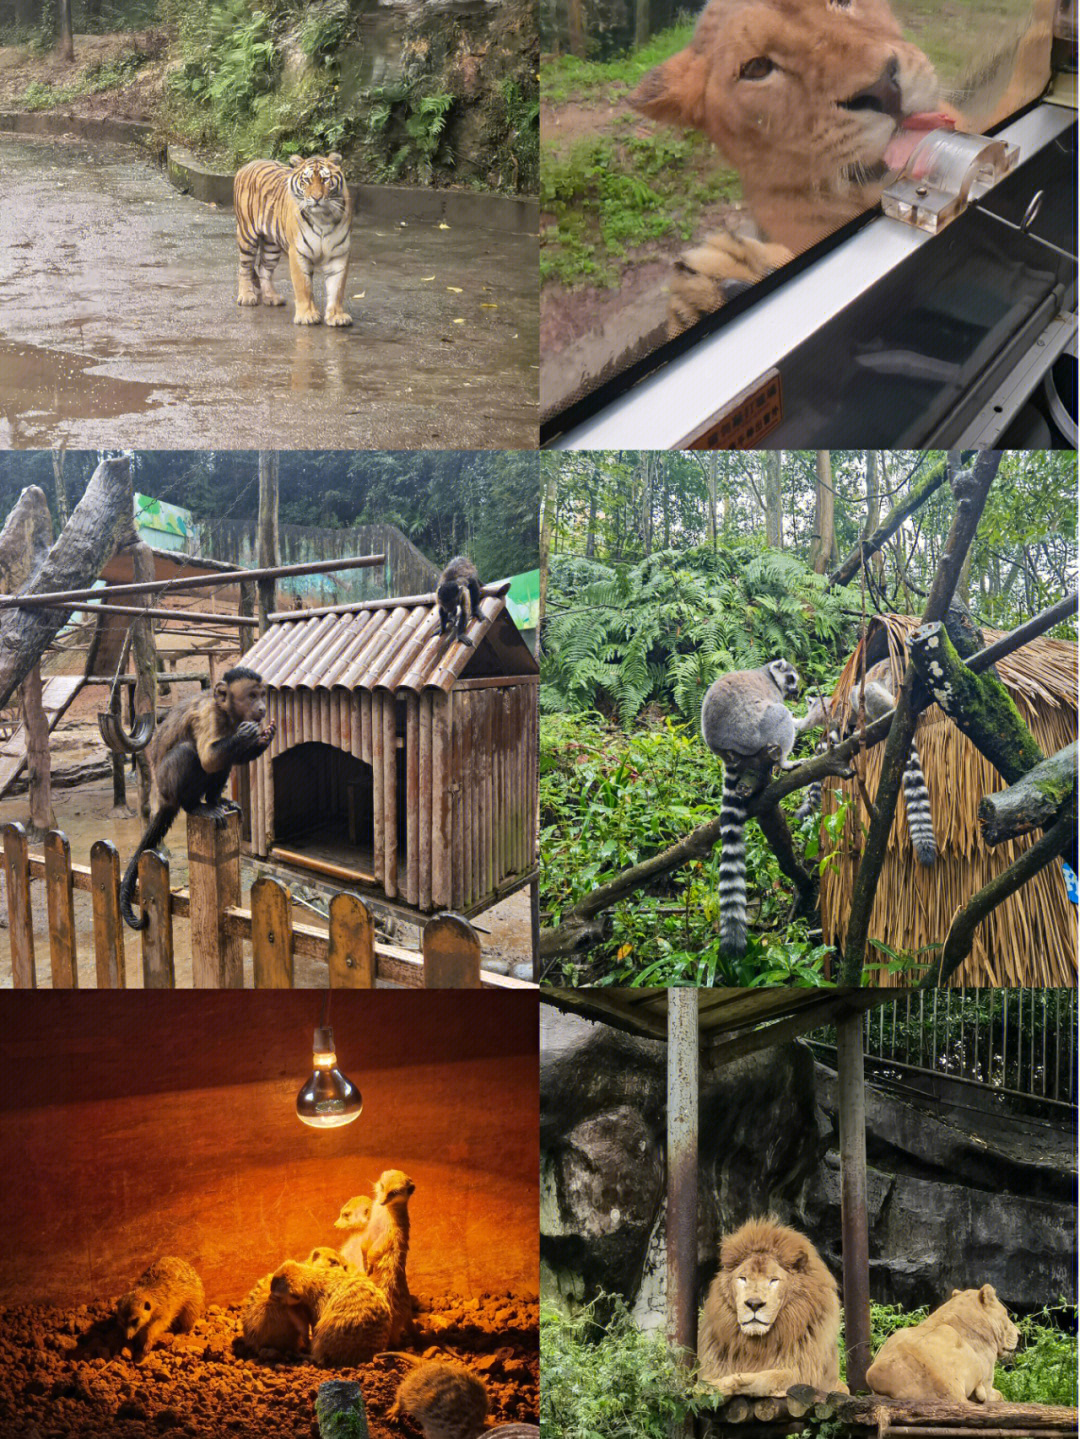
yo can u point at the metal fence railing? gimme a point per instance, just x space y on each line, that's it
1018 1041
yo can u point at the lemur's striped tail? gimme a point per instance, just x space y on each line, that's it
732 881
917 799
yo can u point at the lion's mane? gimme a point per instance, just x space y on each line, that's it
806 1331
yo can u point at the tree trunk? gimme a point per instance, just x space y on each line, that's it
774 529
38 771
575 25
266 551
824 539
65 41
711 465
888 527
75 561
62 508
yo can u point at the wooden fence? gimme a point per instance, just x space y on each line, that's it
220 924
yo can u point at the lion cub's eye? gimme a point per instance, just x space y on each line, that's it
757 68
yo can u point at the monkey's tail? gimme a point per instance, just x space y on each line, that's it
156 831
732 880
919 818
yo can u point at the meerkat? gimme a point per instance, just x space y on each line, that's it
169 1296
354 1324
386 1247
445 1400
355 1216
323 1257
267 1322
879 699
744 721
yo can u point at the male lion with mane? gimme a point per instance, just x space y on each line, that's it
772 1315
815 103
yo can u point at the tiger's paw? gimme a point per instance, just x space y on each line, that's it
248 297
725 264
271 297
338 317
307 317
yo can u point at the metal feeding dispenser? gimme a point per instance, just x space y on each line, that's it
943 174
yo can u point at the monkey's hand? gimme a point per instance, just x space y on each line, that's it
266 734
245 733
465 640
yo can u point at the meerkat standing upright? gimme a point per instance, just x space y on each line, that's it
744 721
386 1248
355 1216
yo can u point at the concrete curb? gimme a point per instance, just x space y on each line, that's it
470 209
505 213
86 127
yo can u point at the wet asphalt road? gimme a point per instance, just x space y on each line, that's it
119 325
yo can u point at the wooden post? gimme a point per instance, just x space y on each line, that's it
108 926
351 955
155 897
60 893
682 1170
214 857
266 544
853 1224
451 953
442 777
20 916
38 766
271 934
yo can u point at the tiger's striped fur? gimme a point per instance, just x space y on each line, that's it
303 208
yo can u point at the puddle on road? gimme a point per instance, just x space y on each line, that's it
43 388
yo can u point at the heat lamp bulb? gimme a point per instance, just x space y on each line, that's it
328 1099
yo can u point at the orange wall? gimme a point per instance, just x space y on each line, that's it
138 1124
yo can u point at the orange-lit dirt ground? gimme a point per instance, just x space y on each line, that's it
60 1377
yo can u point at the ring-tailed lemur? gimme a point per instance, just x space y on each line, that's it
879 700
744 717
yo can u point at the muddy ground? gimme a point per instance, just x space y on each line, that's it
85 814
119 325
60 1377
21 67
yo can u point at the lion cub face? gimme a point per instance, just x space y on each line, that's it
803 93
759 1287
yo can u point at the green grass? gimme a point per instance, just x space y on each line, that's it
110 75
567 78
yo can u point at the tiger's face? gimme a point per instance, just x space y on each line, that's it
318 186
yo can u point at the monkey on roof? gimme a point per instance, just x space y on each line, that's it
459 595
192 751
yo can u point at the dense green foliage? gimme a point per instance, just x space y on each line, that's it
661 630
444 501
609 799
606 1379
285 77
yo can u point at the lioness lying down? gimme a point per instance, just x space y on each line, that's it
949 1356
814 102
771 1318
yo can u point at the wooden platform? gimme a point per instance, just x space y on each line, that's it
56 694
864 1414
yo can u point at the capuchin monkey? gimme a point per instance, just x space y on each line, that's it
459 596
191 754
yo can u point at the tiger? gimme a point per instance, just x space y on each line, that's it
305 208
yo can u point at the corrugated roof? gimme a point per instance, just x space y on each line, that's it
390 644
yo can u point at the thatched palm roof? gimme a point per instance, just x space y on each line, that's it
1031 938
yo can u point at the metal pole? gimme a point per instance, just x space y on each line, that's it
193 582
856 1248
210 617
682 1168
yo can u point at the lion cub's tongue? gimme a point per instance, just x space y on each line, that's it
912 130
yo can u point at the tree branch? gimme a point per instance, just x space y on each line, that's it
1033 802
961 935
891 523
970 488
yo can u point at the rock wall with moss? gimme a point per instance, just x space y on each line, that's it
439 93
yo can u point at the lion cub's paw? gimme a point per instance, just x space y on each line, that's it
726 263
307 317
339 317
